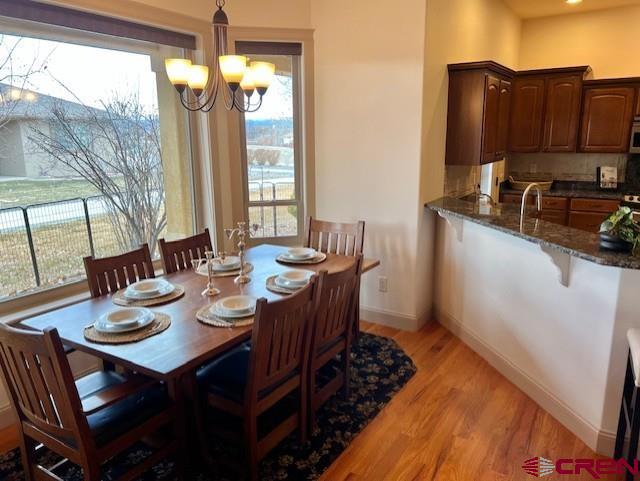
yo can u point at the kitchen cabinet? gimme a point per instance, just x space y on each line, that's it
545 112
562 114
527 108
606 118
478 116
587 221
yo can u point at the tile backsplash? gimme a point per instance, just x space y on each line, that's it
571 167
460 180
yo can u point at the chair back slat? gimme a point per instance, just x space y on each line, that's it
40 383
335 307
335 237
177 255
280 339
110 274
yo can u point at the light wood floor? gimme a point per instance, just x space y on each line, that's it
457 419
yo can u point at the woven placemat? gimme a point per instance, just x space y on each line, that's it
119 298
248 267
273 287
205 316
160 323
321 257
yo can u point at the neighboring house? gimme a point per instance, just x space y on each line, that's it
24 112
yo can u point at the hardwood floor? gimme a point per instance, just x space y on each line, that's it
458 419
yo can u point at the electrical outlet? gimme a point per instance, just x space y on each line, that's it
383 284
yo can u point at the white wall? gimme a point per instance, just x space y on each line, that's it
369 62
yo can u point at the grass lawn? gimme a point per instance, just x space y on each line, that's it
21 193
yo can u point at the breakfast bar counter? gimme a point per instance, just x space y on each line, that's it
506 218
544 305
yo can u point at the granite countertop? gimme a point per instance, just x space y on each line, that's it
588 193
506 218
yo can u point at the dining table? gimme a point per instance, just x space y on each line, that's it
174 355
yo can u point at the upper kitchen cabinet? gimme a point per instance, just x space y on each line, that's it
527 108
545 113
478 118
607 114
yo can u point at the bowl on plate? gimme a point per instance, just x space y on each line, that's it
230 263
124 320
294 278
235 306
300 253
149 289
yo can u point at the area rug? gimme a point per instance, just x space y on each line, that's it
380 368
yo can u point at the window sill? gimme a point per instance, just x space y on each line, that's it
20 308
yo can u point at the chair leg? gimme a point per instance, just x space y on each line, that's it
304 405
251 443
91 471
311 398
27 455
635 433
346 365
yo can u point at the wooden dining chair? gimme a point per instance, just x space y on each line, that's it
177 255
110 274
86 422
331 337
335 237
253 379
338 238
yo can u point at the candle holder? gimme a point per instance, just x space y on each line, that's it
211 290
242 232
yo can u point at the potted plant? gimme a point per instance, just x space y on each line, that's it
619 232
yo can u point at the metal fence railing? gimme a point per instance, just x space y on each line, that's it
279 217
43 244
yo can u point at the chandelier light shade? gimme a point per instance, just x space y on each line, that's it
233 77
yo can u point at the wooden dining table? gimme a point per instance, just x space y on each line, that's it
175 354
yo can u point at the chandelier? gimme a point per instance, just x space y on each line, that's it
235 78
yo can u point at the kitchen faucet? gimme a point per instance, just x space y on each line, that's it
523 207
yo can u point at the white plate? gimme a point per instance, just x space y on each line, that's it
231 263
149 289
126 317
235 307
294 278
107 328
300 253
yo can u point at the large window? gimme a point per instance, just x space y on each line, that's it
272 146
94 156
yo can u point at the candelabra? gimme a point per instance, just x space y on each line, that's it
242 232
211 290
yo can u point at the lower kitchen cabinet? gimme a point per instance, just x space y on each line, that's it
587 221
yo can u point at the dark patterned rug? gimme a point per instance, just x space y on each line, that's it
380 368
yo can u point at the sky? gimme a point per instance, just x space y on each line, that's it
93 74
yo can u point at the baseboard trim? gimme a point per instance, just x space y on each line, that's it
598 440
393 319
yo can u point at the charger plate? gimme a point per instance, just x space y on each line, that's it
205 316
160 324
120 299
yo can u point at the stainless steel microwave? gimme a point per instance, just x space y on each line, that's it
634 148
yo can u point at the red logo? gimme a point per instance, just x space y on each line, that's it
538 467
596 468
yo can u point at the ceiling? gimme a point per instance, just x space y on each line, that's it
544 8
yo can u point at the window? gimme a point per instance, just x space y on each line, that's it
94 153
272 146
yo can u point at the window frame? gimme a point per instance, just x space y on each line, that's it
76 290
298 155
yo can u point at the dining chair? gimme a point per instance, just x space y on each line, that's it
268 374
177 255
331 337
338 238
335 237
110 274
85 422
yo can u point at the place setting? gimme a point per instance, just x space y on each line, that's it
148 292
131 324
231 311
221 266
289 281
301 255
